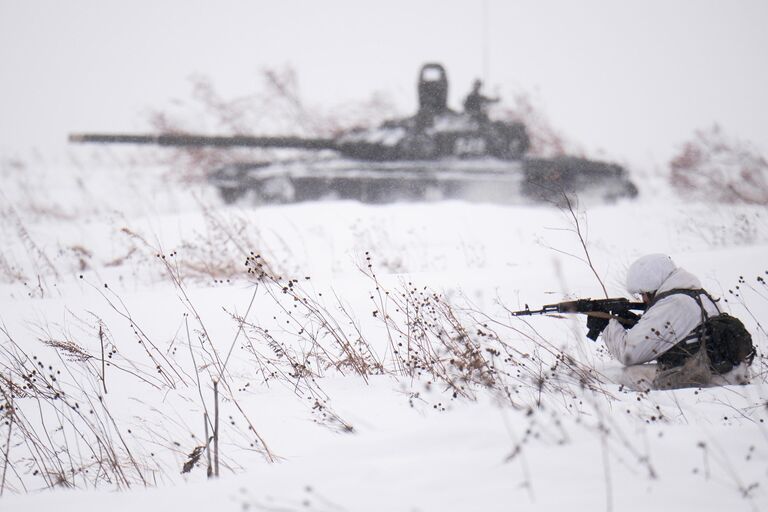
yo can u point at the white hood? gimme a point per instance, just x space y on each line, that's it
649 272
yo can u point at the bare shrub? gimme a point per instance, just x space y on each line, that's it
426 338
219 249
546 141
718 168
738 225
63 429
468 351
332 337
39 265
214 252
8 271
63 433
277 109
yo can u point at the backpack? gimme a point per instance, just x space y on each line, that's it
727 341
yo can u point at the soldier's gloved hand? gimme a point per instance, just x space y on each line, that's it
595 325
628 319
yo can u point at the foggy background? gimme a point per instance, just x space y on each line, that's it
628 81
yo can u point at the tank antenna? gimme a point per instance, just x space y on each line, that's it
485 42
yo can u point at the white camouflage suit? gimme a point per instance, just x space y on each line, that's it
663 325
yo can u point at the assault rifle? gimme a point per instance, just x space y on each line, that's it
599 308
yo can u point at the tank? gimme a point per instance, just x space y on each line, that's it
438 153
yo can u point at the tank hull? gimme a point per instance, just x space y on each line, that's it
483 180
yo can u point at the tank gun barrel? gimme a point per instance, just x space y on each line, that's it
191 140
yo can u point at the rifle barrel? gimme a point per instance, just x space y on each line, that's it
526 312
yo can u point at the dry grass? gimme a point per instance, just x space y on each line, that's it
413 335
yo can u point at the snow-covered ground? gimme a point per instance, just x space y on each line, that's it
318 412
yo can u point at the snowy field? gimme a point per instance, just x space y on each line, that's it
449 404
362 358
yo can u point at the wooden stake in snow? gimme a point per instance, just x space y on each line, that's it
216 428
209 469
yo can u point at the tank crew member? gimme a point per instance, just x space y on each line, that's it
475 104
679 319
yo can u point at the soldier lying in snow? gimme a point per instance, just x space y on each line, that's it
682 330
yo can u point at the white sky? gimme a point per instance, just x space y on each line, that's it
633 78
